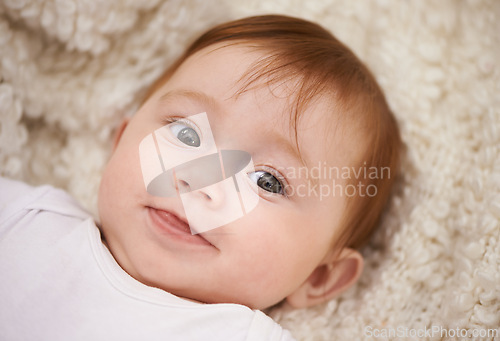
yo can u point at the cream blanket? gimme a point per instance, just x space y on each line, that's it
70 70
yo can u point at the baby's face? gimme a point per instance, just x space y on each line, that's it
256 258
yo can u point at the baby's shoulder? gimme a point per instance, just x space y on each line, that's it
16 197
10 190
265 328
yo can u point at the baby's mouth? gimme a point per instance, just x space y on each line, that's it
174 220
171 224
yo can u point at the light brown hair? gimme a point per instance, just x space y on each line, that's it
302 51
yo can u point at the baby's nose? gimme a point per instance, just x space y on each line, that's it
201 176
213 189
205 189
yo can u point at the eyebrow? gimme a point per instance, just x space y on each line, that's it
290 149
196 96
209 101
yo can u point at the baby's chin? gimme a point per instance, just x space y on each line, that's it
227 296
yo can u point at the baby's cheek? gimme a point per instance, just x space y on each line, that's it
275 251
112 190
104 193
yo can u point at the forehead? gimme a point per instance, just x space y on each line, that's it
216 69
218 76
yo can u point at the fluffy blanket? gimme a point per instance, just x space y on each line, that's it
71 69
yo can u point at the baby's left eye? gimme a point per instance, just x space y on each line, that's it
267 181
185 134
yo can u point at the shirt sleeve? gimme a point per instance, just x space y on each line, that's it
11 190
264 328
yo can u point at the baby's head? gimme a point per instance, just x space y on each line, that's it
324 150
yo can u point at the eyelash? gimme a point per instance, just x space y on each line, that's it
174 119
263 168
178 119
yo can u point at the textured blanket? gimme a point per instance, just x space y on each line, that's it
71 69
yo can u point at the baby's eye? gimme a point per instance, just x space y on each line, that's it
267 181
185 134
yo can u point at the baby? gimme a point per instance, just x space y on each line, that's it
220 198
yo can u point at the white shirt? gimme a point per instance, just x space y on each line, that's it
59 282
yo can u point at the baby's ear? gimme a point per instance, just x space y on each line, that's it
119 132
334 275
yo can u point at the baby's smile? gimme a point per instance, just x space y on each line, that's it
169 225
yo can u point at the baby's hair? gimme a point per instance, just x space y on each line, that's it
318 64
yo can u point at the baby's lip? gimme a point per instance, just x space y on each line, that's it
174 224
177 221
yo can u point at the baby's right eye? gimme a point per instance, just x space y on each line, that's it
185 134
